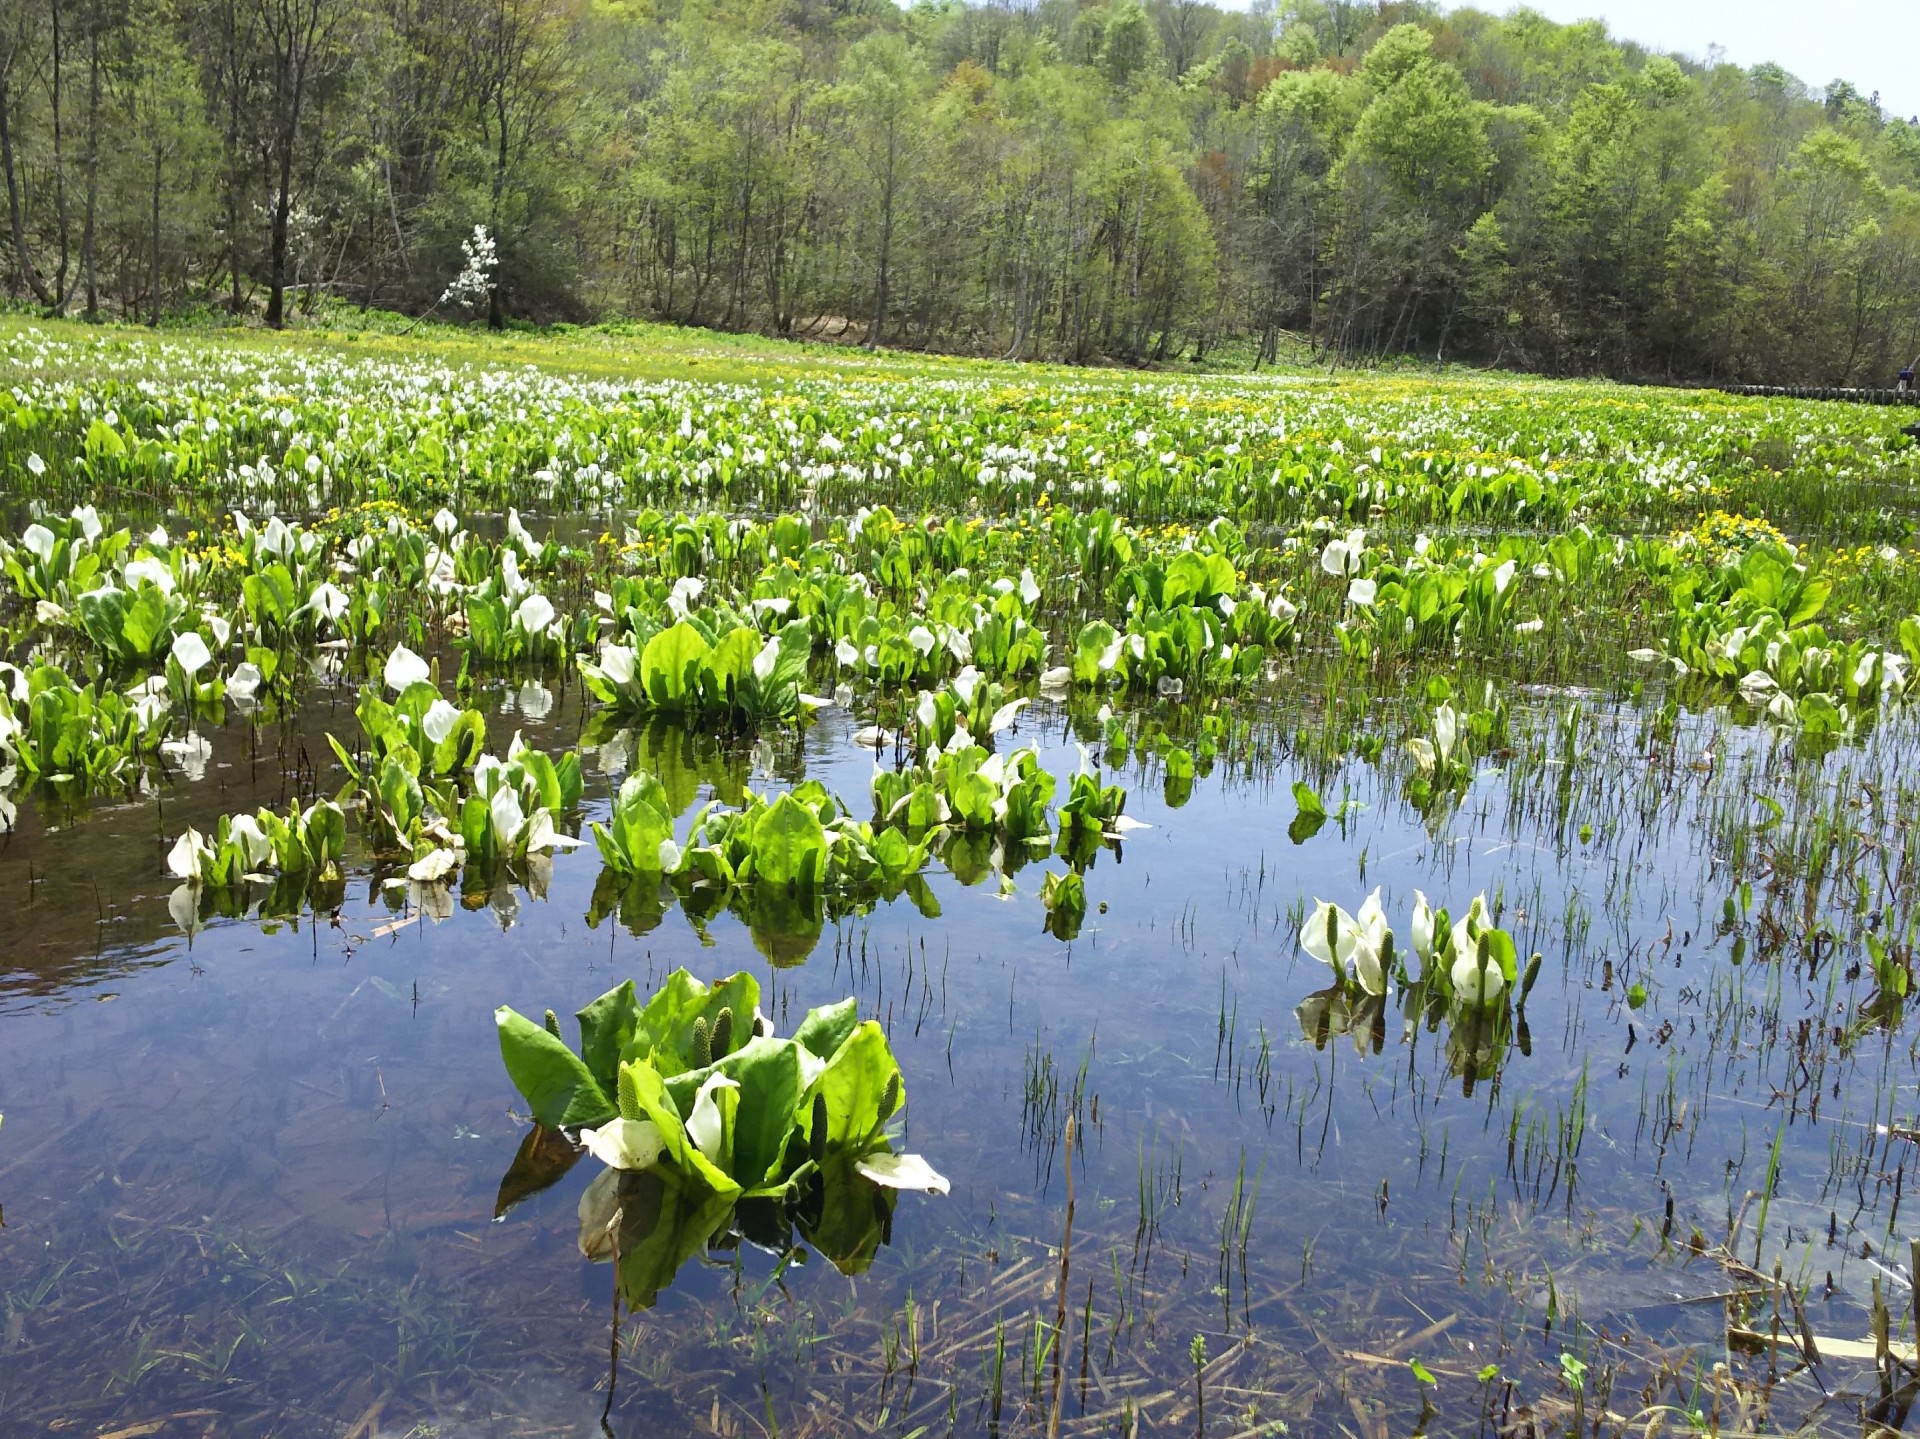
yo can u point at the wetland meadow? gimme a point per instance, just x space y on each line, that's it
660 885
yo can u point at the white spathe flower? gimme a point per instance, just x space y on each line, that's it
1362 593
190 652
329 601
1466 930
148 571
625 1143
520 535
508 816
1029 588
1006 715
1343 556
443 575
845 655
922 639
1372 920
244 830
1503 577
1446 732
88 518
767 659
965 683
685 591
444 522
543 838
534 614
705 1124
403 669
1477 984
1337 939
433 866
245 681
616 663
37 465
39 542
902 1171
439 720
1422 926
1369 951
188 857
510 581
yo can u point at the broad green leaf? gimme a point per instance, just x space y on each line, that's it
558 1087
606 1028
858 1091
671 665
789 845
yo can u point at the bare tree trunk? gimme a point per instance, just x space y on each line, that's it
153 260
59 169
877 332
14 214
496 312
93 168
230 33
277 254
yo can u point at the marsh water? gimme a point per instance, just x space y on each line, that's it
250 1173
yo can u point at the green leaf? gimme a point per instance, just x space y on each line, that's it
663 1033
789 845
671 665
464 744
145 627
606 1028
825 1029
1811 599
559 1089
858 1091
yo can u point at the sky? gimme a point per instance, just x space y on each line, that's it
1875 47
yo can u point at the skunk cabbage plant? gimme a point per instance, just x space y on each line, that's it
699 1111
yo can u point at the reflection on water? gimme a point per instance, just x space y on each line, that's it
253 1184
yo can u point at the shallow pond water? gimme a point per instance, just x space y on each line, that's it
249 1177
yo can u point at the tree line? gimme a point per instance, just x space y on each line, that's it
1134 180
